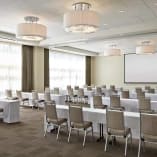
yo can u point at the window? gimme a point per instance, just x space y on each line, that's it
66 69
10 67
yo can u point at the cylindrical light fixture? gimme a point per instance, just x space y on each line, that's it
112 51
31 30
81 19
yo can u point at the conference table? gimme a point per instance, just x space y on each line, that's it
98 116
130 105
11 110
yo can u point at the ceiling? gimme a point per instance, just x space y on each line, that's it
123 22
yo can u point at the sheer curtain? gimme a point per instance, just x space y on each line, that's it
66 69
10 67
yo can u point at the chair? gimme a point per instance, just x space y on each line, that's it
115 103
56 90
125 94
71 96
147 87
81 97
116 127
35 100
47 89
138 90
76 88
98 91
89 88
140 95
148 130
97 102
47 98
112 87
52 118
145 105
22 100
77 122
151 90
9 95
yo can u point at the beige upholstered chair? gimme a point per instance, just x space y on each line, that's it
138 90
151 90
77 122
140 95
47 98
52 118
116 127
35 100
22 100
47 89
8 93
145 105
68 87
125 94
81 97
97 102
115 103
56 90
71 97
148 129
98 91
76 88
112 87
147 87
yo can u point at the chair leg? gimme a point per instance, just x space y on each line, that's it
58 131
69 134
106 143
92 133
139 148
84 140
45 130
126 144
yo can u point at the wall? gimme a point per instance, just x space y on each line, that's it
110 70
38 69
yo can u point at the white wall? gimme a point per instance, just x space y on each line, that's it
110 70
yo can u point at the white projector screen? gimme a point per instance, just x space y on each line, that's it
140 68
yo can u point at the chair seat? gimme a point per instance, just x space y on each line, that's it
58 121
124 133
149 138
83 125
1 110
25 99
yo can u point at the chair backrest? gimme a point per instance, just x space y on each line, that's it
151 90
125 94
76 88
35 95
147 87
115 101
97 100
80 92
112 87
68 87
56 90
144 104
75 114
47 96
89 88
8 93
70 92
19 94
98 91
138 90
47 89
51 112
148 123
140 95
115 119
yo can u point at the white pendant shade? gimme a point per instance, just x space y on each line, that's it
112 52
81 20
31 31
145 49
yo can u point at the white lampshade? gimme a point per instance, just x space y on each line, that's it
31 31
145 49
112 52
81 20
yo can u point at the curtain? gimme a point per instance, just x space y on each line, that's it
46 68
66 69
27 68
10 67
88 70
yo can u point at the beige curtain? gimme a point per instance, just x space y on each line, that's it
88 70
46 68
27 68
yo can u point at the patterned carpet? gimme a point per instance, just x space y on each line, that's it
26 139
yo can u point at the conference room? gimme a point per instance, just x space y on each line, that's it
78 78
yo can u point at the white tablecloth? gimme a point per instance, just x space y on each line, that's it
98 116
11 110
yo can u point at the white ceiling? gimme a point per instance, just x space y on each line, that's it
138 22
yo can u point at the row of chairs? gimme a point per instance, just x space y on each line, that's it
114 122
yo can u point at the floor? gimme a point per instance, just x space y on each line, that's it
25 139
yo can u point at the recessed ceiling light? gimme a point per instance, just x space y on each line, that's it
121 11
